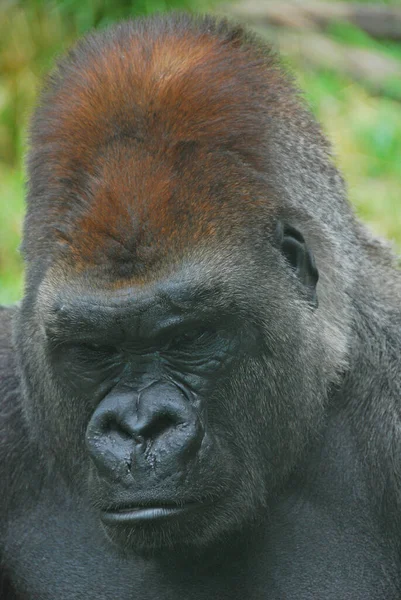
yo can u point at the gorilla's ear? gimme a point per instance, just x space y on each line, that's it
300 258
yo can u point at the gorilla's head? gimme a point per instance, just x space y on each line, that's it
176 350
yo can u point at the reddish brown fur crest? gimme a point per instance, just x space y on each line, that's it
148 136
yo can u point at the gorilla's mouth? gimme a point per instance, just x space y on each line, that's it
142 513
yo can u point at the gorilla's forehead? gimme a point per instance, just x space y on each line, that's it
146 207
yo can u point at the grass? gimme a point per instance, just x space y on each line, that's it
365 129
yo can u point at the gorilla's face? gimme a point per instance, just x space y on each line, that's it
178 406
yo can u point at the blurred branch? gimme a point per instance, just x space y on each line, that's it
371 68
378 20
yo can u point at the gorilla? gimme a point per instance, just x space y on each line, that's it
200 390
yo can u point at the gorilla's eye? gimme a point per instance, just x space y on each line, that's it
98 348
188 337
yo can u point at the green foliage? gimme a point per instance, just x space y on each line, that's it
365 128
11 212
352 36
366 135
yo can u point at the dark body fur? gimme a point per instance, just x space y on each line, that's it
312 508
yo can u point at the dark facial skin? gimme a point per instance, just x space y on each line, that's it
148 436
155 369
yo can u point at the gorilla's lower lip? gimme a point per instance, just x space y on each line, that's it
138 514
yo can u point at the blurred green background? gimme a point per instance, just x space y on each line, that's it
361 115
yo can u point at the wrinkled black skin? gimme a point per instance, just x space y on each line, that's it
285 440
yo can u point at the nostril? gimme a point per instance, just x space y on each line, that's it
159 424
111 424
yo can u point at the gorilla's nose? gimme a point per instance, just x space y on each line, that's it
157 427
